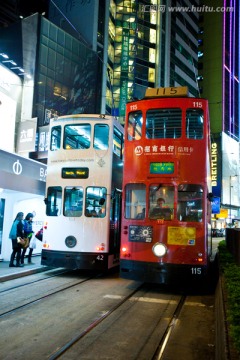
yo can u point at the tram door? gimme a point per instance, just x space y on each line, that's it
115 222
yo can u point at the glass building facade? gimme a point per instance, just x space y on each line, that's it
67 76
149 46
231 70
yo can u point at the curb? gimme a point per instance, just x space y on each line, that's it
24 273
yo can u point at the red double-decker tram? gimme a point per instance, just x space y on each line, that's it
166 212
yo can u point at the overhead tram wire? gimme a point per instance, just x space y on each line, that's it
79 34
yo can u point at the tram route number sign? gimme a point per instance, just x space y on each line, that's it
181 91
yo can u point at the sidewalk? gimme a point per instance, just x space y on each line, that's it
9 273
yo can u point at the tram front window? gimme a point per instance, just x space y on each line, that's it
95 204
55 141
73 201
194 124
135 202
190 202
135 122
77 136
101 137
161 201
164 123
54 201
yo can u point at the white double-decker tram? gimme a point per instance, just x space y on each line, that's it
83 193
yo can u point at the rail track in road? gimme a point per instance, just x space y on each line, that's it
28 280
72 316
48 281
163 340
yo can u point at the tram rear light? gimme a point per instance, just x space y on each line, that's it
200 258
46 246
101 247
159 249
124 252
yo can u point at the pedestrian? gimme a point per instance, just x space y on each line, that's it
33 245
15 232
28 232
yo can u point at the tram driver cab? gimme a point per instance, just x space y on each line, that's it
160 211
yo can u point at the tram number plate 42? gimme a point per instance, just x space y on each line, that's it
196 271
100 257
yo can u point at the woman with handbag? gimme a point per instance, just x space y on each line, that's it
15 232
28 232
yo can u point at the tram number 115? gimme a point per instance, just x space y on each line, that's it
196 271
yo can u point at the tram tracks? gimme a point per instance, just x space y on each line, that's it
28 281
24 304
98 318
96 322
163 343
153 353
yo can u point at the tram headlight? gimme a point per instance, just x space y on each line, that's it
159 249
70 241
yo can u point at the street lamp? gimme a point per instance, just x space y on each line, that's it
230 194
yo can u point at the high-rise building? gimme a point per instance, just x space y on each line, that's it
219 65
140 43
219 72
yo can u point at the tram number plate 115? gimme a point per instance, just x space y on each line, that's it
196 271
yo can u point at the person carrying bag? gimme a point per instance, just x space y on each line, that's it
28 232
33 245
15 233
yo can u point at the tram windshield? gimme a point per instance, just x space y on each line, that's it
161 201
95 205
190 202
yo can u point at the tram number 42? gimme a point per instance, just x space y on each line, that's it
100 257
196 271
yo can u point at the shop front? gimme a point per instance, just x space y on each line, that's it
22 188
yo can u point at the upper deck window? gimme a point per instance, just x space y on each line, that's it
77 136
55 142
135 121
194 124
118 142
164 123
101 137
